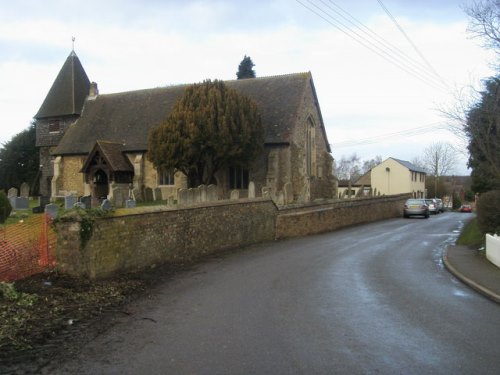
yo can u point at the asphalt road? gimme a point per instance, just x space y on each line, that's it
372 299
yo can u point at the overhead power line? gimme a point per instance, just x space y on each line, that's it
363 35
430 128
417 50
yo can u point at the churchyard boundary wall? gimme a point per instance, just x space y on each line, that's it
118 244
320 217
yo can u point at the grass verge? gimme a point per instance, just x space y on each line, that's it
471 235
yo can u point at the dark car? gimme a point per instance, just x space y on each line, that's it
416 207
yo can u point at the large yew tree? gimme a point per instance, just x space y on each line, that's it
210 128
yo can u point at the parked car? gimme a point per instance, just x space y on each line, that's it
433 206
465 208
416 207
440 204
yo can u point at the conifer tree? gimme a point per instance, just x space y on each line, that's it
211 127
245 69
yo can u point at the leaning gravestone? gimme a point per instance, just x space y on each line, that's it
51 210
69 201
87 201
79 205
25 190
106 205
137 195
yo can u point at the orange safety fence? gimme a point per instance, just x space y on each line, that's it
27 248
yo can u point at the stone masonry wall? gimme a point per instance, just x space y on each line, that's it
317 218
137 241
133 242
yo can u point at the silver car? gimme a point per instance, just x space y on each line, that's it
433 206
416 207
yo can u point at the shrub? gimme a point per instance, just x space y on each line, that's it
5 207
457 202
488 212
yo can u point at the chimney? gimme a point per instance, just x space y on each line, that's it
94 91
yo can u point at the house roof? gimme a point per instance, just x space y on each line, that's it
113 154
126 118
365 179
410 166
68 92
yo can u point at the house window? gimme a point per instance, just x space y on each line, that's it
165 177
238 178
55 126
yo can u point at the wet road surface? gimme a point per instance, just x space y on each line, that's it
372 299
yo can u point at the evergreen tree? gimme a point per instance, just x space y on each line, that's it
19 160
245 69
483 131
210 128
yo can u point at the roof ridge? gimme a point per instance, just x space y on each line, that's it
307 74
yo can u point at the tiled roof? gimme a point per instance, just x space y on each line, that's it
127 117
113 154
68 92
410 166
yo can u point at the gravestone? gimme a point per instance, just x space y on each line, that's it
25 190
157 194
266 192
12 192
251 190
288 193
148 195
79 205
22 203
42 202
137 195
87 201
280 199
182 196
235 195
51 210
118 197
211 193
106 205
191 196
129 203
171 201
69 201
203 193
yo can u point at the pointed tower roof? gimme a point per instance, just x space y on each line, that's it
68 92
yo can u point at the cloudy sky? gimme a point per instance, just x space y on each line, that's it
379 73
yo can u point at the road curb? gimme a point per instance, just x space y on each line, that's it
471 283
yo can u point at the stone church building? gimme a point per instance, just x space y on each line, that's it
96 144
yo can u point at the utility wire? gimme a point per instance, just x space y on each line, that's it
427 69
431 68
402 133
369 45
